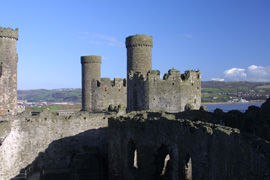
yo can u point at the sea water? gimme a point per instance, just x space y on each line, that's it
235 106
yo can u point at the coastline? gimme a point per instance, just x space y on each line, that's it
250 102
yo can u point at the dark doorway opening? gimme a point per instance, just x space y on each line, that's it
132 155
188 167
162 164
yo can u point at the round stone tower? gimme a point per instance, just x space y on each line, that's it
139 53
90 76
8 71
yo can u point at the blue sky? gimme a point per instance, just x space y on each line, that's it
224 39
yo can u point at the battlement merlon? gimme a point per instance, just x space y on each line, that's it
115 82
9 33
173 74
90 59
139 40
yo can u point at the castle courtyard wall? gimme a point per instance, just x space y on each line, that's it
216 152
49 139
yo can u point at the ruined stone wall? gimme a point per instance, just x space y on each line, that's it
172 94
141 143
106 92
50 139
8 71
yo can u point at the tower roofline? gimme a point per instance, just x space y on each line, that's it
139 40
90 59
9 33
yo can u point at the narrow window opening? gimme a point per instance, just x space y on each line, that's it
1 65
135 164
188 167
132 155
195 101
162 164
98 83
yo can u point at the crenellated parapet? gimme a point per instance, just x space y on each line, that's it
172 75
173 93
9 33
115 83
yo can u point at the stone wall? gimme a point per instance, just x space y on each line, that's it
8 71
172 94
156 145
109 93
50 139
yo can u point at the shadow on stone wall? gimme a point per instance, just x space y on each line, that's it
81 156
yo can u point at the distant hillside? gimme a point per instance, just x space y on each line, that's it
212 91
55 95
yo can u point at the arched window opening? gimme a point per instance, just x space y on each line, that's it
162 164
132 155
188 167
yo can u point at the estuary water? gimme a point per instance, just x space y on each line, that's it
235 106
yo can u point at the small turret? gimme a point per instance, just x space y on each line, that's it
8 71
90 76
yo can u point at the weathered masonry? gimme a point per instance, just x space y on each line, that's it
8 71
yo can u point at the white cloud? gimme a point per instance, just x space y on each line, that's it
101 39
236 74
217 79
252 73
258 73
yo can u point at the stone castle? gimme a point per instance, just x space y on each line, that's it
142 127
143 89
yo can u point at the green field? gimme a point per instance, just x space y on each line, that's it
212 91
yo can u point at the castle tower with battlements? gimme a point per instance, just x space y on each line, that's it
8 71
100 94
90 76
139 60
143 89
146 91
